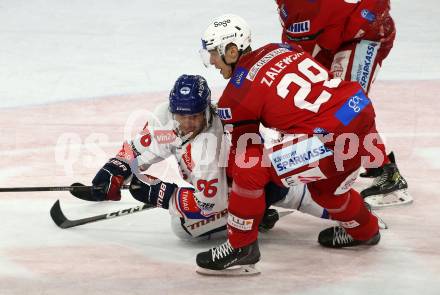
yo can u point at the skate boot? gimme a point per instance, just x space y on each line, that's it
372 172
270 217
224 260
376 172
337 237
389 189
388 182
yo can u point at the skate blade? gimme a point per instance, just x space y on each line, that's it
242 270
382 224
400 197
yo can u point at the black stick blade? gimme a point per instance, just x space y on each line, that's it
62 221
58 216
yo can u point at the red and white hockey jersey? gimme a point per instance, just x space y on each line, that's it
328 24
198 158
285 89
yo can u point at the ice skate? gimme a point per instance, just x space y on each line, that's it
224 260
376 172
372 172
337 237
389 189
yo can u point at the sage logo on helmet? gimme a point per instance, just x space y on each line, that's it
222 23
190 95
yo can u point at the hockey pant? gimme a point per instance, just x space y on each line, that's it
187 221
329 181
188 225
295 197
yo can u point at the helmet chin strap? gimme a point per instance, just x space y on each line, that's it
182 138
232 65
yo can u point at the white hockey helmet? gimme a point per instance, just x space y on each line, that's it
224 30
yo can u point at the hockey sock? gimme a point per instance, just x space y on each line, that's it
356 218
244 216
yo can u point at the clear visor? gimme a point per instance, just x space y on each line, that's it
205 56
208 50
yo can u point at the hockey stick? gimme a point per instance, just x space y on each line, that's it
62 221
42 189
79 190
73 187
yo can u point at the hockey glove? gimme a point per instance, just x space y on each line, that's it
158 194
109 180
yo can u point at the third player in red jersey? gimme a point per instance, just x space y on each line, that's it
352 39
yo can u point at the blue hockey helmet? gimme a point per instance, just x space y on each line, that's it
190 95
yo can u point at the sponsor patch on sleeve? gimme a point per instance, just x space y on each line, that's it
224 113
352 107
368 15
165 136
299 27
238 77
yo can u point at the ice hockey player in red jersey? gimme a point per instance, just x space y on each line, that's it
351 38
328 128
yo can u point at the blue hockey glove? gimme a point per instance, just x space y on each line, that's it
158 194
109 180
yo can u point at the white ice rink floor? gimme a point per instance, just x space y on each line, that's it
56 50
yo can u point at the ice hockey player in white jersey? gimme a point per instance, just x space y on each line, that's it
188 128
